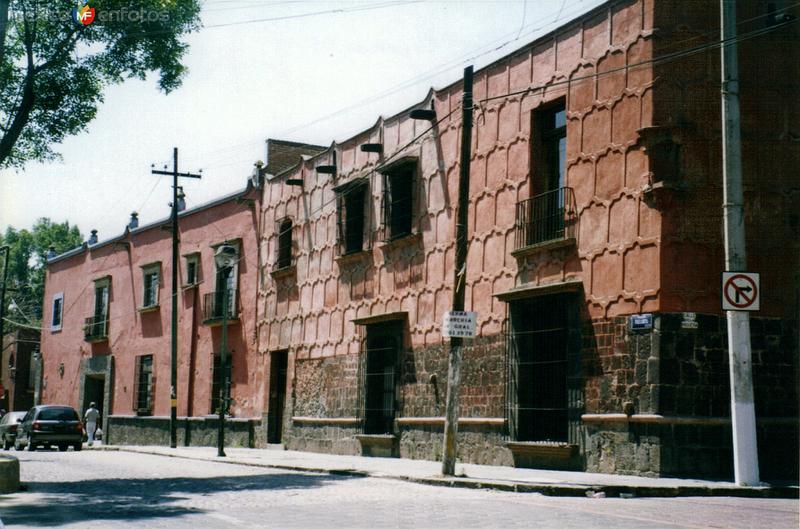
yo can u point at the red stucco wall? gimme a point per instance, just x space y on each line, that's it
617 257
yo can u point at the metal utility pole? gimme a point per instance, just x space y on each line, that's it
743 416
459 278
173 390
6 249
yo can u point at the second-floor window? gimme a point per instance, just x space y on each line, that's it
151 277
351 217
284 257
102 288
58 309
398 203
550 166
192 269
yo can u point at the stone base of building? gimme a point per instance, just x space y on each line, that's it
192 431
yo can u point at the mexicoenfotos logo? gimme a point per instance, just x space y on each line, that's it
83 16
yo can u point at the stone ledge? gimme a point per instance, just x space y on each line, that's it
379 445
531 249
341 421
9 474
648 418
546 455
439 421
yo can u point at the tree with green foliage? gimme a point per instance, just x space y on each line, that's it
53 68
26 260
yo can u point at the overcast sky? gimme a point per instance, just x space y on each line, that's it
258 79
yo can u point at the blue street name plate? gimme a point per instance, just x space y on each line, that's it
640 322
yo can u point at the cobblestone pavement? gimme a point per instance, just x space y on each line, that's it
116 489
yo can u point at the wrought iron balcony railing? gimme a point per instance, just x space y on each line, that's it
95 328
550 216
213 302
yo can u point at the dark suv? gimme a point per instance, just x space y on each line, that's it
49 426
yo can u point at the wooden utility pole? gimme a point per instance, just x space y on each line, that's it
173 389
459 280
743 415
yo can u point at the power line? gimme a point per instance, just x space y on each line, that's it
669 57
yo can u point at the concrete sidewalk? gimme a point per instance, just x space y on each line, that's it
548 482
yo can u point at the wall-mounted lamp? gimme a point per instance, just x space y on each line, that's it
422 113
372 147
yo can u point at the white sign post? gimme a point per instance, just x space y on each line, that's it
459 324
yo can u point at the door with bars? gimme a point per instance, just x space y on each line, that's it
538 335
380 377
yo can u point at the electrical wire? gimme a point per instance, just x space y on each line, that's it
656 60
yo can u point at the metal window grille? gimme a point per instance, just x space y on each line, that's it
380 389
213 305
537 401
546 217
95 327
144 382
351 218
398 202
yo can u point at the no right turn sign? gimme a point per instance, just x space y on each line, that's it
741 291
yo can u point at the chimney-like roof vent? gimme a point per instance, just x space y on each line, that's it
93 237
134 223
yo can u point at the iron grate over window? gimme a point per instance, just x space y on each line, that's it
213 305
145 385
546 217
351 218
95 327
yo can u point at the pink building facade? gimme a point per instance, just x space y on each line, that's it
107 322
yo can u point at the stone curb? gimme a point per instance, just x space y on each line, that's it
9 474
546 489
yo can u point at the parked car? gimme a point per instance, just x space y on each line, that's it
8 428
50 426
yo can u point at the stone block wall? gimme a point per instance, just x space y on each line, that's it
672 385
329 388
192 431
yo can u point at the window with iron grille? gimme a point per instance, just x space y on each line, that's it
58 307
351 217
151 277
538 407
284 248
144 382
398 200
217 379
381 376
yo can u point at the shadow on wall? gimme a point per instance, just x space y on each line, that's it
141 499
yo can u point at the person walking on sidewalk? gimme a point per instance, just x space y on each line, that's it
91 417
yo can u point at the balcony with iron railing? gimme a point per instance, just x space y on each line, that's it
547 220
95 328
213 307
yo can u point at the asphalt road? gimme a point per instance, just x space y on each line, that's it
97 489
